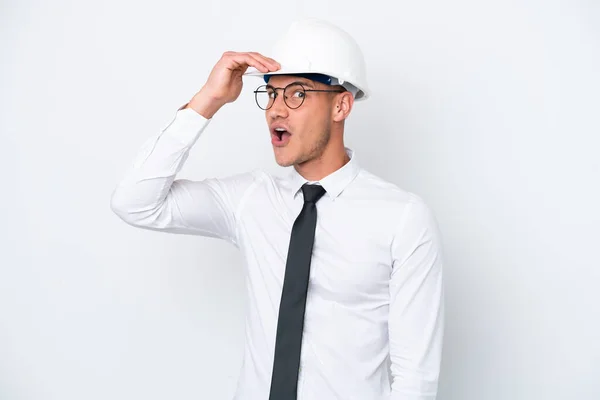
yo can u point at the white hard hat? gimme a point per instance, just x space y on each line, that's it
313 46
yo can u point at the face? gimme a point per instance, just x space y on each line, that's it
302 134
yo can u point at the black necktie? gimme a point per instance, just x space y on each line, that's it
284 380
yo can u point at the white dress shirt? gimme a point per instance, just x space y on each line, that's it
375 295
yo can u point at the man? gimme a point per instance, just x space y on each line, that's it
343 269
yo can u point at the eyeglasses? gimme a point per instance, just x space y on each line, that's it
293 95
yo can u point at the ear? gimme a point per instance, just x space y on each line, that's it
342 106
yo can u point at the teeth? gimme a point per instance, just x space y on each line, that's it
280 129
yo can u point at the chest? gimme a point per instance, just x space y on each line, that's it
351 258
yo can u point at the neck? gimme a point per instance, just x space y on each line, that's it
328 162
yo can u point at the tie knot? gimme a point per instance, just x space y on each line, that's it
312 193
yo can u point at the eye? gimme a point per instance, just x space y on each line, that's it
272 94
299 94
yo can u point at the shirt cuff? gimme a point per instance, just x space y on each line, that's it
186 126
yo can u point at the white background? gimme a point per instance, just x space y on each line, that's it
489 110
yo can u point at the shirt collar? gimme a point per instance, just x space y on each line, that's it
333 183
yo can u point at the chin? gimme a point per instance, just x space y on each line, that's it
284 161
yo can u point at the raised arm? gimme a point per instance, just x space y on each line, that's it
150 197
416 320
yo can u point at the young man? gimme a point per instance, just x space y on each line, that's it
343 269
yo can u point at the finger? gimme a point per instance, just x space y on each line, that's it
272 62
265 59
245 60
260 60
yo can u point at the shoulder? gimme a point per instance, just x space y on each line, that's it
385 190
254 182
406 209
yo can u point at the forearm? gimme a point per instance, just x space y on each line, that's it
416 321
205 104
415 373
141 193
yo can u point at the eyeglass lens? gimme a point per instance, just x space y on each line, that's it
293 96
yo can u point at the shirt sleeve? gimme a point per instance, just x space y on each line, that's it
416 320
150 197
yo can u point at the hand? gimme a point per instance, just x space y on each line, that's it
224 84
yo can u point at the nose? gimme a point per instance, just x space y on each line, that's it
279 109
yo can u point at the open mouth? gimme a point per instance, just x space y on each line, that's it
280 136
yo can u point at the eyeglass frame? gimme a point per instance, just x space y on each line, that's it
256 91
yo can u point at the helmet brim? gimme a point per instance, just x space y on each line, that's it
361 94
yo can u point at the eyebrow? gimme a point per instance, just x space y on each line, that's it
307 84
